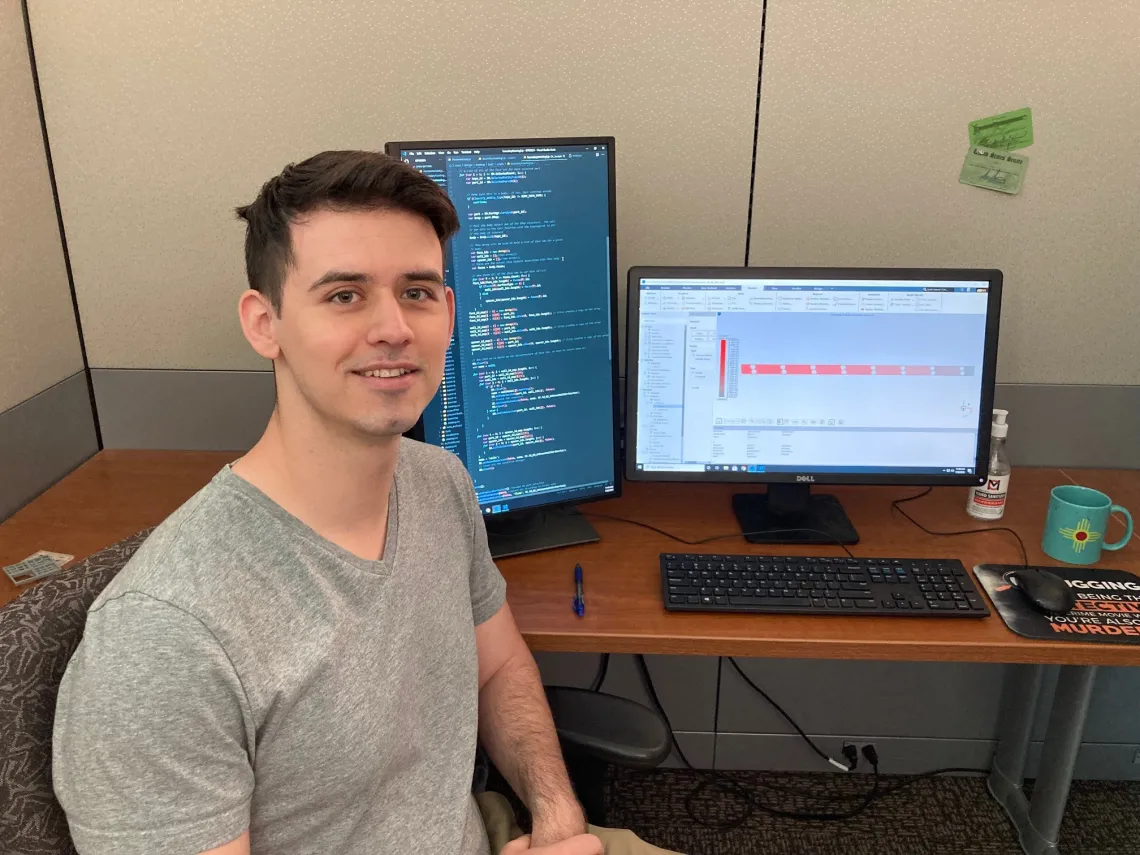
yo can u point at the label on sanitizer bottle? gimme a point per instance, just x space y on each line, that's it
987 502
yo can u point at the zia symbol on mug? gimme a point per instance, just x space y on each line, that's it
1080 536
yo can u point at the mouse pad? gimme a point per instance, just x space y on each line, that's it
1107 609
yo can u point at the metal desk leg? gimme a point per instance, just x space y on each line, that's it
1015 727
1038 822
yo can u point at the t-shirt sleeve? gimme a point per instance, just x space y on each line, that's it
488 587
152 730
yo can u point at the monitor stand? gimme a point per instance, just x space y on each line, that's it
534 531
766 517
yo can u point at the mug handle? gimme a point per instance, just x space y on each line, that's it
1127 534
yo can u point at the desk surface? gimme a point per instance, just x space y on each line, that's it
116 493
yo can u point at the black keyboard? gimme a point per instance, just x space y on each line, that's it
796 585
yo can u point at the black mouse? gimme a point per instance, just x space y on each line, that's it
1045 591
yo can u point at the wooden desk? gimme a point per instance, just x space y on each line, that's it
119 492
116 493
624 612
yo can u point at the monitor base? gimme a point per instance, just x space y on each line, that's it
775 516
534 531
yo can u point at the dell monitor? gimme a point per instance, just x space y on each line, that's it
797 376
529 394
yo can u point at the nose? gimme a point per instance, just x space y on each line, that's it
387 323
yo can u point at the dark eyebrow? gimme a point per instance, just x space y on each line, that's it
423 276
340 276
365 279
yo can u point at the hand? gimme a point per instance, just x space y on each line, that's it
579 844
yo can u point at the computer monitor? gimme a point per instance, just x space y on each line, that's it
801 376
529 397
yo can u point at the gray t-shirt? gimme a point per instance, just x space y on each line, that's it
244 672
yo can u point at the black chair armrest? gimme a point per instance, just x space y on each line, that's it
609 728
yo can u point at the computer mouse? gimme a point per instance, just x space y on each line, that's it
1045 591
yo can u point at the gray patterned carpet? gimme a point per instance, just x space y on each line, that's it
943 816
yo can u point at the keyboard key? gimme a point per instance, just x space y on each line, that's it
677 598
864 604
847 604
692 599
722 601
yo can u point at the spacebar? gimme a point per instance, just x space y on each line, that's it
796 602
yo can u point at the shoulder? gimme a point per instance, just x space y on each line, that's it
190 551
432 464
433 477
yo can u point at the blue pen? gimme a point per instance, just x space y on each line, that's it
579 599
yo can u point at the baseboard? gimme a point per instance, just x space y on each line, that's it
43 439
1051 425
1072 426
177 409
908 756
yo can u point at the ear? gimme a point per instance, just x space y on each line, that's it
449 295
258 323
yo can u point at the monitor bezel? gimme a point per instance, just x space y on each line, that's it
989 369
393 149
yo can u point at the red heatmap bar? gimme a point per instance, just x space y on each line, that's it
750 368
723 361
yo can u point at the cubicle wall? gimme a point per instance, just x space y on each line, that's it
46 426
163 117
862 133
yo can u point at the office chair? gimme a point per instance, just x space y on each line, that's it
40 630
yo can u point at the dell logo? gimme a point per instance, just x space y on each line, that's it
808 478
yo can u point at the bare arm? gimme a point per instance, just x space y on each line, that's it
234 847
517 730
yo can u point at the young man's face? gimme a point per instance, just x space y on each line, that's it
365 319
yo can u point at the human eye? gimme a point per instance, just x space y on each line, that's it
343 298
418 294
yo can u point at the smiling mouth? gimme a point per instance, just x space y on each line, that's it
385 372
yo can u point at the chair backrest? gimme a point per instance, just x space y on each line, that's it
39 632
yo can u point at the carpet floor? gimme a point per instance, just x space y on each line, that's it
937 816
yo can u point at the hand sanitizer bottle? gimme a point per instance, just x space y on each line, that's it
987 502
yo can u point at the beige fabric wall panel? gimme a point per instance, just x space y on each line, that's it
39 344
863 130
164 116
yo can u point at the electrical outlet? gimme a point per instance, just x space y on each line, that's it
851 754
871 745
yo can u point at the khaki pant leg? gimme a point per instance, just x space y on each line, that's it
499 818
619 841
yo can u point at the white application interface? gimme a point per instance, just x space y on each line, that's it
768 375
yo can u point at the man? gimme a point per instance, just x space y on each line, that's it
300 659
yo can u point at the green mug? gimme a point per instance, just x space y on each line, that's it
1076 524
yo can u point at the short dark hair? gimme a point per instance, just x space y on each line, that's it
338 181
